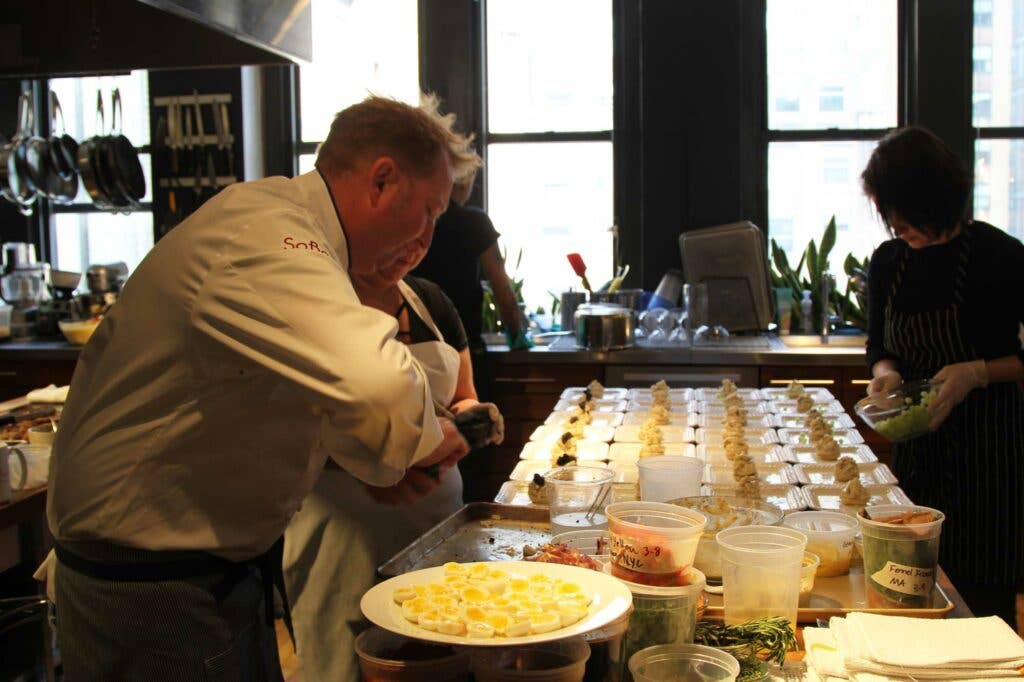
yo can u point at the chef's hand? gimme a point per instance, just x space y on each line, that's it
958 380
883 383
481 423
453 447
414 486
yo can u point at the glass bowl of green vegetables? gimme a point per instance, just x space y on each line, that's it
900 414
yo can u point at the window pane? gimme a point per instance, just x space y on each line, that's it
808 182
569 186
83 239
998 63
832 64
549 65
306 162
359 47
78 102
998 197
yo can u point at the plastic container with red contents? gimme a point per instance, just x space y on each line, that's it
653 543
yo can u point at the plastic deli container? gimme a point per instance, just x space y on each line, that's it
761 572
593 543
607 660
653 543
681 662
829 535
725 512
561 661
577 496
808 569
900 559
668 477
387 657
663 615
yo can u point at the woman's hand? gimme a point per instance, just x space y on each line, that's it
885 382
414 486
481 424
958 380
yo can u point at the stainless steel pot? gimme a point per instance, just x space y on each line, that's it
603 326
628 298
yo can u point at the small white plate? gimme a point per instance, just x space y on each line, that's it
609 393
799 421
826 497
807 454
599 405
669 434
676 395
711 394
680 407
525 469
770 473
675 418
786 497
586 451
759 452
756 434
872 473
610 600
819 393
803 436
625 472
790 407
753 407
717 421
516 493
630 452
612 419
549 434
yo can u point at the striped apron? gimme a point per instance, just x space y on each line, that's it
972 467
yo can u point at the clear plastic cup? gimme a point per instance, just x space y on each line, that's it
683 663
653 543
577 497
561 661
808 569
761 572
829 535
900 560
663 615
667 478
607 660
387 657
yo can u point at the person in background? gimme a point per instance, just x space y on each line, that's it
237 359
946 303
466 245
346 528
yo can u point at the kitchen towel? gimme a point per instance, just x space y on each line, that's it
50 394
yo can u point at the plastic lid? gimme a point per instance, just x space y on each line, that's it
662 662
821 522
697 582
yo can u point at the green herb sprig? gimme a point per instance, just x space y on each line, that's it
774 635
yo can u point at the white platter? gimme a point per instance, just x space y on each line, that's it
630 452
711 394
610 600
770 473
717 421
612 419
872 473
752 435
599 405
819 393
786 497
753 407
515 493
674 418
525 469
676 395
759 452
669 434
586 451
610 393
803 436
545 433
799 421
807 454
680 407
826 497
790 407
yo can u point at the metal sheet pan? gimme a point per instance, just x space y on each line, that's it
480 531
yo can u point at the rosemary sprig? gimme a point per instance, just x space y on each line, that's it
773 635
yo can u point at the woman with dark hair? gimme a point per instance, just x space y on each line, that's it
946 302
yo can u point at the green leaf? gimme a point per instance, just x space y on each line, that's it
813 269
850 264
828 241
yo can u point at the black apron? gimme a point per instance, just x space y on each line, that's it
972 467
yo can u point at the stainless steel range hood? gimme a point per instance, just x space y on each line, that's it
79 37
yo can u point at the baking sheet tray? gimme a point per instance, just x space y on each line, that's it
480 531
842 594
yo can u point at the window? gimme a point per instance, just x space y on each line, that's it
360 47
998 82
81 234
549 137
787 104
815 156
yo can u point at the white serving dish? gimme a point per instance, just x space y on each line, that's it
625 472
820 394
799 421
826 497
676 395
759 452
756 434
612 419
717 421
675 408
525 469
586 451
675 418
599 405
517 493
786 497
807 454
790 407
711 394
753 407
803 436
610 393
546 433
770 473
669 434
630 452
872 473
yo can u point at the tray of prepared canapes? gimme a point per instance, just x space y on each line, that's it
785 497
716 394
547 433
806 437
818 393
518 493
575 392
676 395
586 451
562 418
873 473
795 407
754 408
717 421
799 421
602 405
829 497
771 473
808 454
681 407
631 452
669 434
713 436
526 468
674 418
759 452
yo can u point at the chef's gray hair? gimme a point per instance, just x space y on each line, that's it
414 136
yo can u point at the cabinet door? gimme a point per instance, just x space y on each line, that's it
826 377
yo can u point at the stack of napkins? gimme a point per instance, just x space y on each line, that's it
869 648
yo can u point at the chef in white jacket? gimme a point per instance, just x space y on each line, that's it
236 360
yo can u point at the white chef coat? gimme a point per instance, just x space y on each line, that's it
237 354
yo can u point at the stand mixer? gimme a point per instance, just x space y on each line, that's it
24 286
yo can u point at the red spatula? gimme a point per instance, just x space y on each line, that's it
576 261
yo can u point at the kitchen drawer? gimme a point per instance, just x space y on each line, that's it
825 377
35 373
678 376
545 379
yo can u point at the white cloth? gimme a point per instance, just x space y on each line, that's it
236 359
49 394
335 543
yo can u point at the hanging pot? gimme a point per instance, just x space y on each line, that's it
63 155
122 160
19 181
88 164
